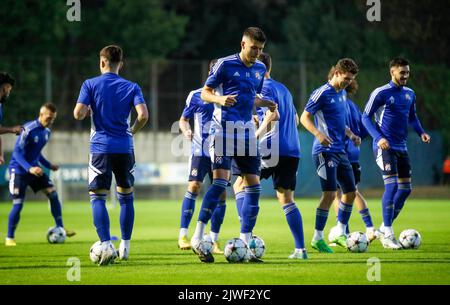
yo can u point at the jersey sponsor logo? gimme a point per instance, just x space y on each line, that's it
332 101
391 100
236 74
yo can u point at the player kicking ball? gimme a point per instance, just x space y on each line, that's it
25 170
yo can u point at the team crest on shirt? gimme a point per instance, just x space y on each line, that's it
330 163
36 139
387 167
257 75
218 160
194 172
46 137
407 96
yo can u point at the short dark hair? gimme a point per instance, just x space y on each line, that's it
212 62
346 65
256 34
266 60
112 53
5 78
50 106
398 62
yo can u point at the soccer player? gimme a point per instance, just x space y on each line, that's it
327 105
394 107
109 98
199 166
25 170
240 78
6 85
353 119
280 163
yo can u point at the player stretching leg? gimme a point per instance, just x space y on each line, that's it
241 78
327 105
394 107
353 117
199 166
110 98
25 170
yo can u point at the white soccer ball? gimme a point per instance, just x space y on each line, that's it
56 235
410 239
206 244
357 242
257 246
236 251
95 252
334 233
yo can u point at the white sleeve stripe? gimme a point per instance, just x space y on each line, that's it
219 63
318 93
373 96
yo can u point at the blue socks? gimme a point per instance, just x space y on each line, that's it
321 219
345 210
294 220
14 216
211 199
250 208
101 217
403 191
365 215
55 207
239 202
218 216
187 209
387 201
126 214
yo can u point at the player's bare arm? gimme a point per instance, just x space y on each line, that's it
142 118
224 100
354 138
307 121
259 102
267 124
14 129
185 128
81 111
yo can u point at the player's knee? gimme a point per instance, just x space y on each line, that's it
124 190
285 196
194 187
49 191
328 197
349 197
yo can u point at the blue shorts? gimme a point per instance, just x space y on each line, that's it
199 167
284 174
334 168
393 162
18 184
102 166
239 165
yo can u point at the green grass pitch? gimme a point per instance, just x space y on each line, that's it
155 258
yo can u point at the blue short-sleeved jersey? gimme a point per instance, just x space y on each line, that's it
328 107
202 113
230 76
286 129
28 147
393 107
111 98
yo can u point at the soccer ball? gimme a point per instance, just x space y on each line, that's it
410 239
56 235
95 252
333 234
257 246
206 244
236 251
357 242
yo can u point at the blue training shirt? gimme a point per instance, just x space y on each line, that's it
328 107
354 122
230 76
393 107
28 147
202 113
286 129
111 98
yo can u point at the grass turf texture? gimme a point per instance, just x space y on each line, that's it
155 258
